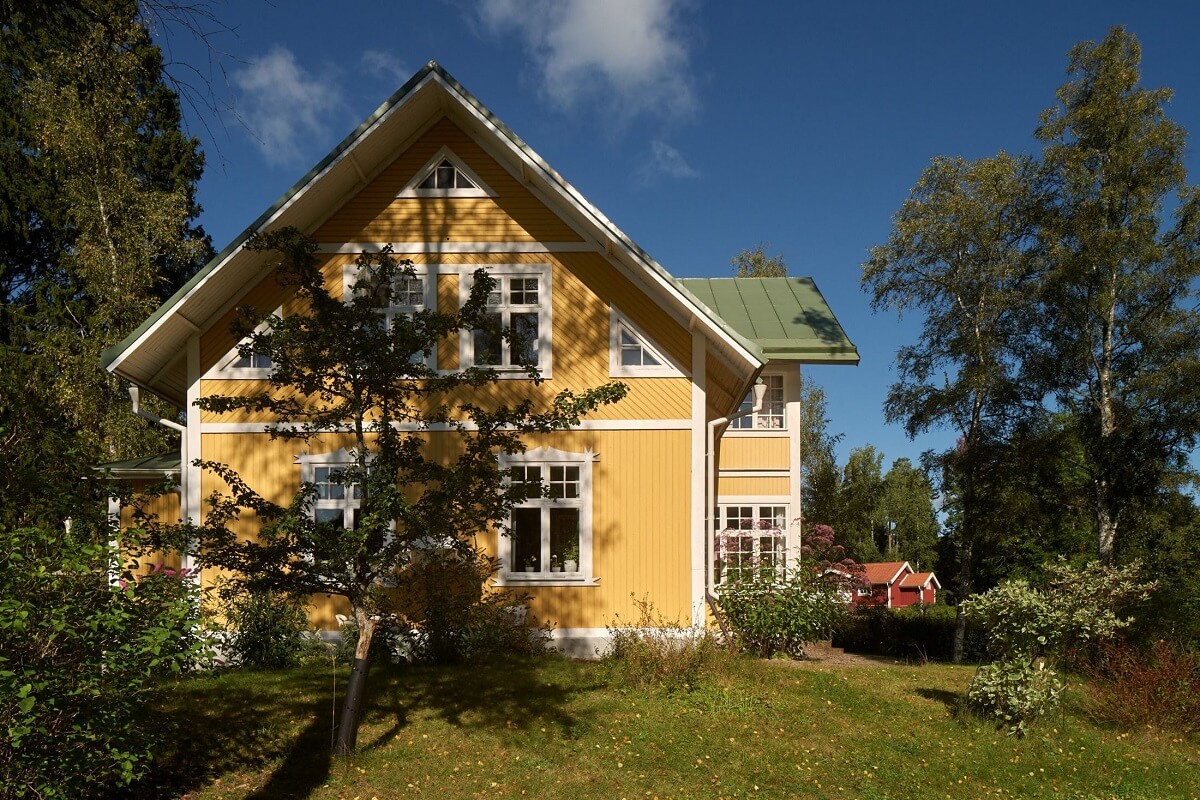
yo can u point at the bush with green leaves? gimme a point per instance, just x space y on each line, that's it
915 633
781 616
659 653
268 628
80 651
1031 629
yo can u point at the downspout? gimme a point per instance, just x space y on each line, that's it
135 399
710 480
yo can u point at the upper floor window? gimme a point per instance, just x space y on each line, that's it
520 304
445 175
632 354
409 294
772 415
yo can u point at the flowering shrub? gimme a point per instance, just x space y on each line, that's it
780 617
78 658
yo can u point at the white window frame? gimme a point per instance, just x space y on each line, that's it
348 503
503 274
758 539
445 154
547 457
224 367
772 419
618 323
421 272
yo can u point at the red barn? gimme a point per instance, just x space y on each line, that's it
894 584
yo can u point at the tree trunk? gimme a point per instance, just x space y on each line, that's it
964 589
347 733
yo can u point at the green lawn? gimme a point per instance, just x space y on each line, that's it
559 729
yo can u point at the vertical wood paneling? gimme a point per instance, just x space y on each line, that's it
754 452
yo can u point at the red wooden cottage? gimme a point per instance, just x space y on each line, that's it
894 584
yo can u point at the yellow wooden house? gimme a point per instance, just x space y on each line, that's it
652 479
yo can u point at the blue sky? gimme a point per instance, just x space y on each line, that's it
699 128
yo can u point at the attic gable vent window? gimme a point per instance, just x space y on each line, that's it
632 354
446 175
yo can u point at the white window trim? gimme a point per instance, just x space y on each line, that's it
466 341
618 322
754 430
428 290
309 463
547 457
224 369
445 154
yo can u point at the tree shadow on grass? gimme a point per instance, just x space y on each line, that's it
953 701
241 722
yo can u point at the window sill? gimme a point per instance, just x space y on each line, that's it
543 579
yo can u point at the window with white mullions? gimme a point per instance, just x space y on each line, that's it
336 501
514 305
772 416
549 532
446 176
750 542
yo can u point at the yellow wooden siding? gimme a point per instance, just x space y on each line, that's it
165 508
729 486
754 452
375 214
447 303
640 516
579 339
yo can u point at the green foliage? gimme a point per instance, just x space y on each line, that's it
97 216
755 263
914 634
779 617
78 660
268 628
1030 630
659 653
1015 693
450 618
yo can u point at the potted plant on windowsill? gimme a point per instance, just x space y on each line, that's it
555 564
531 564
571 558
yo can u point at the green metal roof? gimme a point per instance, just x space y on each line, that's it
786 317
147 466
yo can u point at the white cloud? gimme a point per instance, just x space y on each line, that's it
385 66
665 161
632 54
284 105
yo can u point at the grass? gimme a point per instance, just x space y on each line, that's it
561 729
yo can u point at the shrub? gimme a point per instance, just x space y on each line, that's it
774 617
1031 629
79 660
1014 693
1133 688
449 617
267 627
660 653
918 632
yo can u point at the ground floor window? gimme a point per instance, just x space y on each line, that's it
549 535
750 542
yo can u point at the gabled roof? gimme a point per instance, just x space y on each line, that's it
786 317
885 572
153 355
920 580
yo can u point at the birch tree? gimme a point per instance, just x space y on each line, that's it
1117 333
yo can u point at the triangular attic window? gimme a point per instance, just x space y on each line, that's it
446 176
632 354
